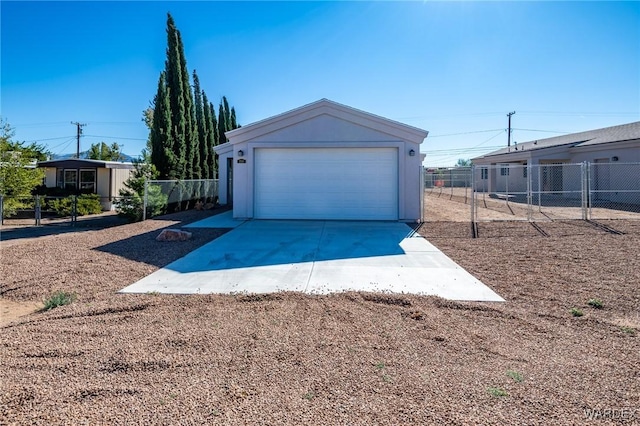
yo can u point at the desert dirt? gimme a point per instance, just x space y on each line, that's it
352 358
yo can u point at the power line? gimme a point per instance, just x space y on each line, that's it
49 139
465 133
70 138
542 131
578 113
460 150
474 148
49 124
114 137
65 147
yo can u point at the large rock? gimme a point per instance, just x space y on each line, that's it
173 235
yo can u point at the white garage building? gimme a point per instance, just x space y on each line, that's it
323 160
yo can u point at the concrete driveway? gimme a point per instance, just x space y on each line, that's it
316 257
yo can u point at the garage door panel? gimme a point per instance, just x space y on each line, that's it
326 183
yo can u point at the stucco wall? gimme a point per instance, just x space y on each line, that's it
322 131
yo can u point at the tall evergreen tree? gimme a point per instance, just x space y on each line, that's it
202 124
227 114
192 151
212 135
161 135
221 124
183 124
175 88
233 122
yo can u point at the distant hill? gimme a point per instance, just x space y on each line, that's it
84 155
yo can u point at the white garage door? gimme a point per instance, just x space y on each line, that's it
326 183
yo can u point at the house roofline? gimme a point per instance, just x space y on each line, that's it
321 107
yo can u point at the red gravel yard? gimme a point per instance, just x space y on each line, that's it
565 344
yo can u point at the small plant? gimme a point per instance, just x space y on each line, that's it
380 365
85 204
309 396
387 379
59 298
628 330
515 376
576 312
595 303
497 392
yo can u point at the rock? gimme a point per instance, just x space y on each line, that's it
173 235
209 206
198 205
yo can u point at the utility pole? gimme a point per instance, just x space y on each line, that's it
509 131
79 127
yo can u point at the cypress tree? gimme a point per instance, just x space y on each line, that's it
212 135
227 114
202 128
233 122
175 88
221 127
161 139
192 151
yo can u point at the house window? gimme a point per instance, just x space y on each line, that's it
504 171
60 178
70 179
484 173
88 180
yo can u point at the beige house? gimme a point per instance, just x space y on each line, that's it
323 161
104 178
612 155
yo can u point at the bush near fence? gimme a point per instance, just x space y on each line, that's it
168 196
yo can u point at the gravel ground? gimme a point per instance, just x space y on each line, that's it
354 358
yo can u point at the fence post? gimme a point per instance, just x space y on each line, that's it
589 193
144 200
74 210
540 188
1 210
38 211
473 195
583 187
529 195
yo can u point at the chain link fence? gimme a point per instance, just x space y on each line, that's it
540 192
53 210
168 196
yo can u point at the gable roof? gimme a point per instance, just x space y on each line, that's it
620 133
325 106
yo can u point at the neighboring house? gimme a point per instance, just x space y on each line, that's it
323 160
608 150
104 178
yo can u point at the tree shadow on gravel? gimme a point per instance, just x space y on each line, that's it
88 224
144 247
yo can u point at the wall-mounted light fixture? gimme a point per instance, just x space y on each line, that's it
412 153
240 153
614 158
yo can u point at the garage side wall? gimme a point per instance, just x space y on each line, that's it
412 177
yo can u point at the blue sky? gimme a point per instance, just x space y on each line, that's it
452 68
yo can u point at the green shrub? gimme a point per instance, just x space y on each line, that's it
595 303
497 392
59 298
11 205
87 204
576 312
515 376
130 203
